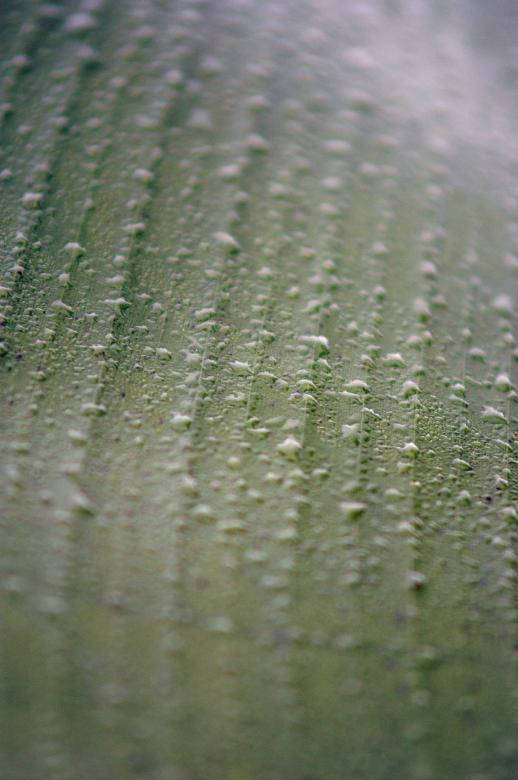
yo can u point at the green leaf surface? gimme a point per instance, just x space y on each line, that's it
258 369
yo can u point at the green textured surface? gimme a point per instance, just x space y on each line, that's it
258 503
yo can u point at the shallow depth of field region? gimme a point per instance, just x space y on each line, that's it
258 390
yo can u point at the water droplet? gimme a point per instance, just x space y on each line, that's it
32 200
199 119
290 447
256 143
409 450
410 388
503 304
394 359
227 241
503 383
180 422
352 510
492 415
241 368
416 580
80 22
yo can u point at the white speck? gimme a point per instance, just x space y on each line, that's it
265 272
32 200
290 447
394 359
464 497
352 510
146 121
462 464
230 172
509 512
503 304
80 22
82 504
203 512
174 77
410 388
230 526
278 190
117 302
492 415
351 431
477 354
142 174
135 228
192 358
227 241
328 209
199 119
93 410
163 353
503 383
379 249
204 314
459 389
329 265
61 306
77 437
416 580
336 146
428 268
220 625
409 450
332 183
73 249
210 65
287 534
189 485
421 308
357 384
256 102
181 422
256 143
240 367
321 341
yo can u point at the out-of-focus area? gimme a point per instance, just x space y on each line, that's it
258 384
